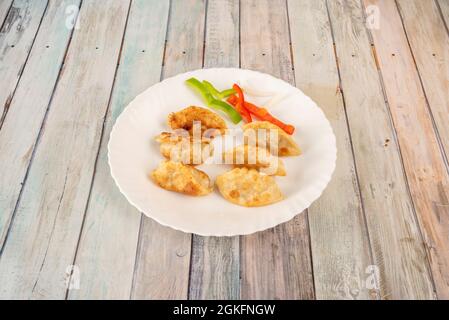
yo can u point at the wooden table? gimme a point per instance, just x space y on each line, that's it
378 68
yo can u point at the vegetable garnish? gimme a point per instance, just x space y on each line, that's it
226 108
211 102
240 105
226 93
218 94
201 89
232 99
262 114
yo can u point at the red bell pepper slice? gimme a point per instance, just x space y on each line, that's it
263 114
240 104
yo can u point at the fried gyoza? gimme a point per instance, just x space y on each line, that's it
175 176
184 120
252 157
183 149
249 188
286 146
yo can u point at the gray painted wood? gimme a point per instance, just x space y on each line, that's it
29 105
5 5
215 260
339 238
107 248
395 237
163 256
276 263
42 241
16 38
423 161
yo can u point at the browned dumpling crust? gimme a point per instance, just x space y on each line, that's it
251 157
184 120
184 149
249 188
178 177
286 146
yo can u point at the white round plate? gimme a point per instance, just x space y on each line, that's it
133 154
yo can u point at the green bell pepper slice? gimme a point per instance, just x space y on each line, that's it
207 92
226 108
226 93
217 94
201 89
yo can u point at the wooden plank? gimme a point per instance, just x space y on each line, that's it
275 264
423 25
5 5
444 7
222 34
16 39
215 260
28 107
396 242
42 241
163 256
339 238
107 248
424 165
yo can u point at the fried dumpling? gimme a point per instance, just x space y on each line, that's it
208 120
286 146
178 177
184 149
249 188
252 157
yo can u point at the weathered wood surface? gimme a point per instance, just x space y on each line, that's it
339 239
215 260
29 105
444 8
163 256
51 210
384 90
423 161
423 24
394 234
5 5
16 38
108 244
275 264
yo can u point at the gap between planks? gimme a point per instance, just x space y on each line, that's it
99 146
434 150
19 76
39 134
444 153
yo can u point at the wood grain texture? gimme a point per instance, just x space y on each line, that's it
423 162
43 238
163 257
275 264
215 260
16 39
444 7
429 42
215 268
222 34
5 5
29 105
395 238
107 248
339 239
